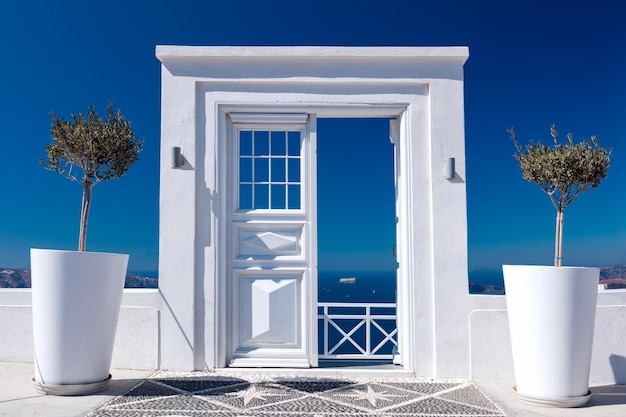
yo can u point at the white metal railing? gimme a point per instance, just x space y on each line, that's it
345 325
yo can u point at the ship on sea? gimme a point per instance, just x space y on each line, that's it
348 280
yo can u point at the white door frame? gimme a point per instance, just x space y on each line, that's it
395 111
422 85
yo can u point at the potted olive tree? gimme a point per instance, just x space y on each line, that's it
77 294
551 309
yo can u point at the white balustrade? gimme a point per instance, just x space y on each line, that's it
345 325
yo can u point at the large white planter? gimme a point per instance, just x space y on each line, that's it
76 304
551 319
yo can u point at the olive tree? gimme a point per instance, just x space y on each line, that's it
89 149
562 171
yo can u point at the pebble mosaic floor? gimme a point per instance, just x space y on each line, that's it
168 394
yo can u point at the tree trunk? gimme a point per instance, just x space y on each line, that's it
84 215
558 244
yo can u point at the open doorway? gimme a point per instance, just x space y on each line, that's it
356 242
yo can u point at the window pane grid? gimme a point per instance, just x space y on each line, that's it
269 169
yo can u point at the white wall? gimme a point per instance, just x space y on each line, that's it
136 341
491 358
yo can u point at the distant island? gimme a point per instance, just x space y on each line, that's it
486 289
20 278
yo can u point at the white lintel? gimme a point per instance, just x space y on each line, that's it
208 53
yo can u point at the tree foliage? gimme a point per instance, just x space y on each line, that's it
562 171
102 149
89 149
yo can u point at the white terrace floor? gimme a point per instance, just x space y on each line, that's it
337 392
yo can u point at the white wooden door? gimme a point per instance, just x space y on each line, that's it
272 265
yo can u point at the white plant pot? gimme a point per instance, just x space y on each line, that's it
76 304
551 320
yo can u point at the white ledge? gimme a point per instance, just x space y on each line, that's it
208 53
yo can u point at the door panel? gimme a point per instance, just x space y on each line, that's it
270 310
272 273
269 241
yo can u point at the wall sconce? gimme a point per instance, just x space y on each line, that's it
449 170
177 158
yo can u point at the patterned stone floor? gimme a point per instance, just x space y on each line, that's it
260 395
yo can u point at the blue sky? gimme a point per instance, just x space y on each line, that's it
532 63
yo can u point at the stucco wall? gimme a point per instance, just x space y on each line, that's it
491 359
136 341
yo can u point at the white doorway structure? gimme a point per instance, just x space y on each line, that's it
237 263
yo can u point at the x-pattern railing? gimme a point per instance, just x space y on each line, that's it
331 317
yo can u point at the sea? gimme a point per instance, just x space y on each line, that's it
368 286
